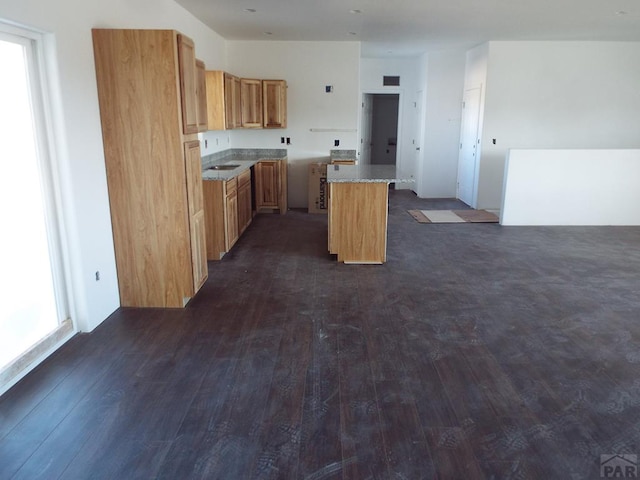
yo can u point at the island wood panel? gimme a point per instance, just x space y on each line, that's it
144 161
358 222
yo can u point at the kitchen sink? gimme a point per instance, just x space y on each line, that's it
223 167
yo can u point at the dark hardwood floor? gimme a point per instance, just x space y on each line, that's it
477 351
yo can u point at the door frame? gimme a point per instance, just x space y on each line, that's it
476 172
386 91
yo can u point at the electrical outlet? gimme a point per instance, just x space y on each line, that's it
328 88
97 275
336 143
281 139
288 140
206 143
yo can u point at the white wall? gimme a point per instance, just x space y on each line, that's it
444 77
307 67
372 72
80 157
586 187
557 95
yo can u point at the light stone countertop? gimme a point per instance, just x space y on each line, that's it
245 158
366 174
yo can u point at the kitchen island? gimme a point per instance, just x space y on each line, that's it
358 210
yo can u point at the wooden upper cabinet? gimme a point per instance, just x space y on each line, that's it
201 96
232 102
223 100
187 72
216 114
251 99
274 98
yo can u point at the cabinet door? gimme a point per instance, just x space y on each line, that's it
267 185
201 95
251 100
216 111
244 201
187 73
193 170
274 98
231 218
232 101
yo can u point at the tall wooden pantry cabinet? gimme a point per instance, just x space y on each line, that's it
147 87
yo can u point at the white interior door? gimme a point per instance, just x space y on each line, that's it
468 156
418 140
367 121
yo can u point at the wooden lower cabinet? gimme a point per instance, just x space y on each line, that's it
221 216
245 210
358 222
271 185
228 204
231 213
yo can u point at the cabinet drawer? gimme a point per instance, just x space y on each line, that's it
244 178
231 185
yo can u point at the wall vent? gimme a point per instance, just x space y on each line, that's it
389 81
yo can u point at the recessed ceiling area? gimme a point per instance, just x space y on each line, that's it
403 28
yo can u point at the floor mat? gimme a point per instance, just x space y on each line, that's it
453 216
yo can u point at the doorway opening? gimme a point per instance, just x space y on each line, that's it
379 128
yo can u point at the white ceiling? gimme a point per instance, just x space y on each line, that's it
411 27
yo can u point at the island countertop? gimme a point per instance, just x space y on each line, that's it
366 174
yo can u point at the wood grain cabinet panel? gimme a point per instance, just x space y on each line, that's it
188 84
274 99
216 112
358 221
141 110
221 216
271 185
193 167
231 213
251 101
233 103
201 96
244 201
